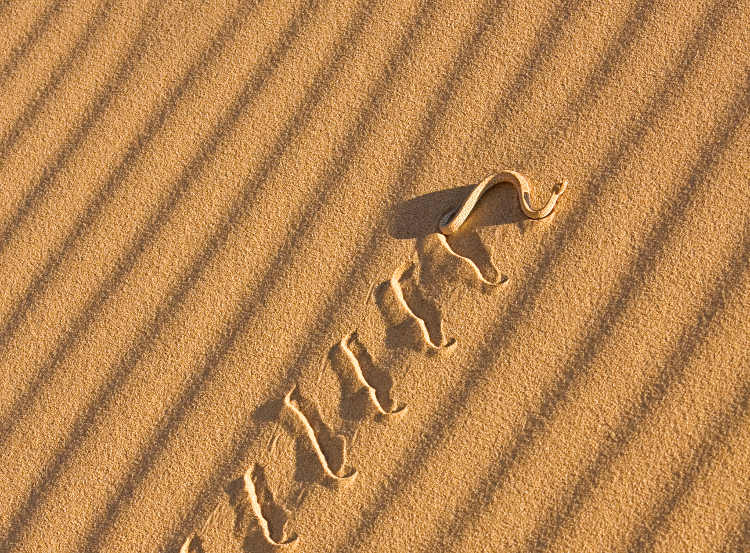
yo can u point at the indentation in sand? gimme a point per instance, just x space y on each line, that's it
329 475
192 545
254 481
500 280
372 392
406 272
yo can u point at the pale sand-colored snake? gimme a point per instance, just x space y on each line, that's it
452 221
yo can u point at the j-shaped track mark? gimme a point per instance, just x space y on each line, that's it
310 433
372 393
501 280
258 513
399 293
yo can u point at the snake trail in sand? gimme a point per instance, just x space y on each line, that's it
452 221
310 433
398 292
362 380
258 513
500 280
449 224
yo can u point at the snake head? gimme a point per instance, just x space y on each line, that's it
560 187
446 218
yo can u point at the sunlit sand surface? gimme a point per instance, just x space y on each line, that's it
229 321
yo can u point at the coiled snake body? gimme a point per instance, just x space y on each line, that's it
452 221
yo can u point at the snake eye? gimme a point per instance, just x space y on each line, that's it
445 219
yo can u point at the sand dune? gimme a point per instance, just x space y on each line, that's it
229 321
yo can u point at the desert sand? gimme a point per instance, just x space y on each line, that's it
229 321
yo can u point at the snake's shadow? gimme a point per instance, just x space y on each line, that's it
419 217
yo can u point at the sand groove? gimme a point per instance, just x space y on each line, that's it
249 481
395 284
500 280
371 391
309 431
192 545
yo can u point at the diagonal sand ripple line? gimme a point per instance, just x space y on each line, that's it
399 293
500 281
344 344
310 433
255 505
452 221
20 52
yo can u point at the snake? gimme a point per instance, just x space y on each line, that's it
453 219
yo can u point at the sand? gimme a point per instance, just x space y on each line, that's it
228 322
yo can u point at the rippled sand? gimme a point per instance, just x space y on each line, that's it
228 322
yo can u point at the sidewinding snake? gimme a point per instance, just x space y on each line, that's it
452 221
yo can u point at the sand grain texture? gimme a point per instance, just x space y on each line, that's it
228 322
